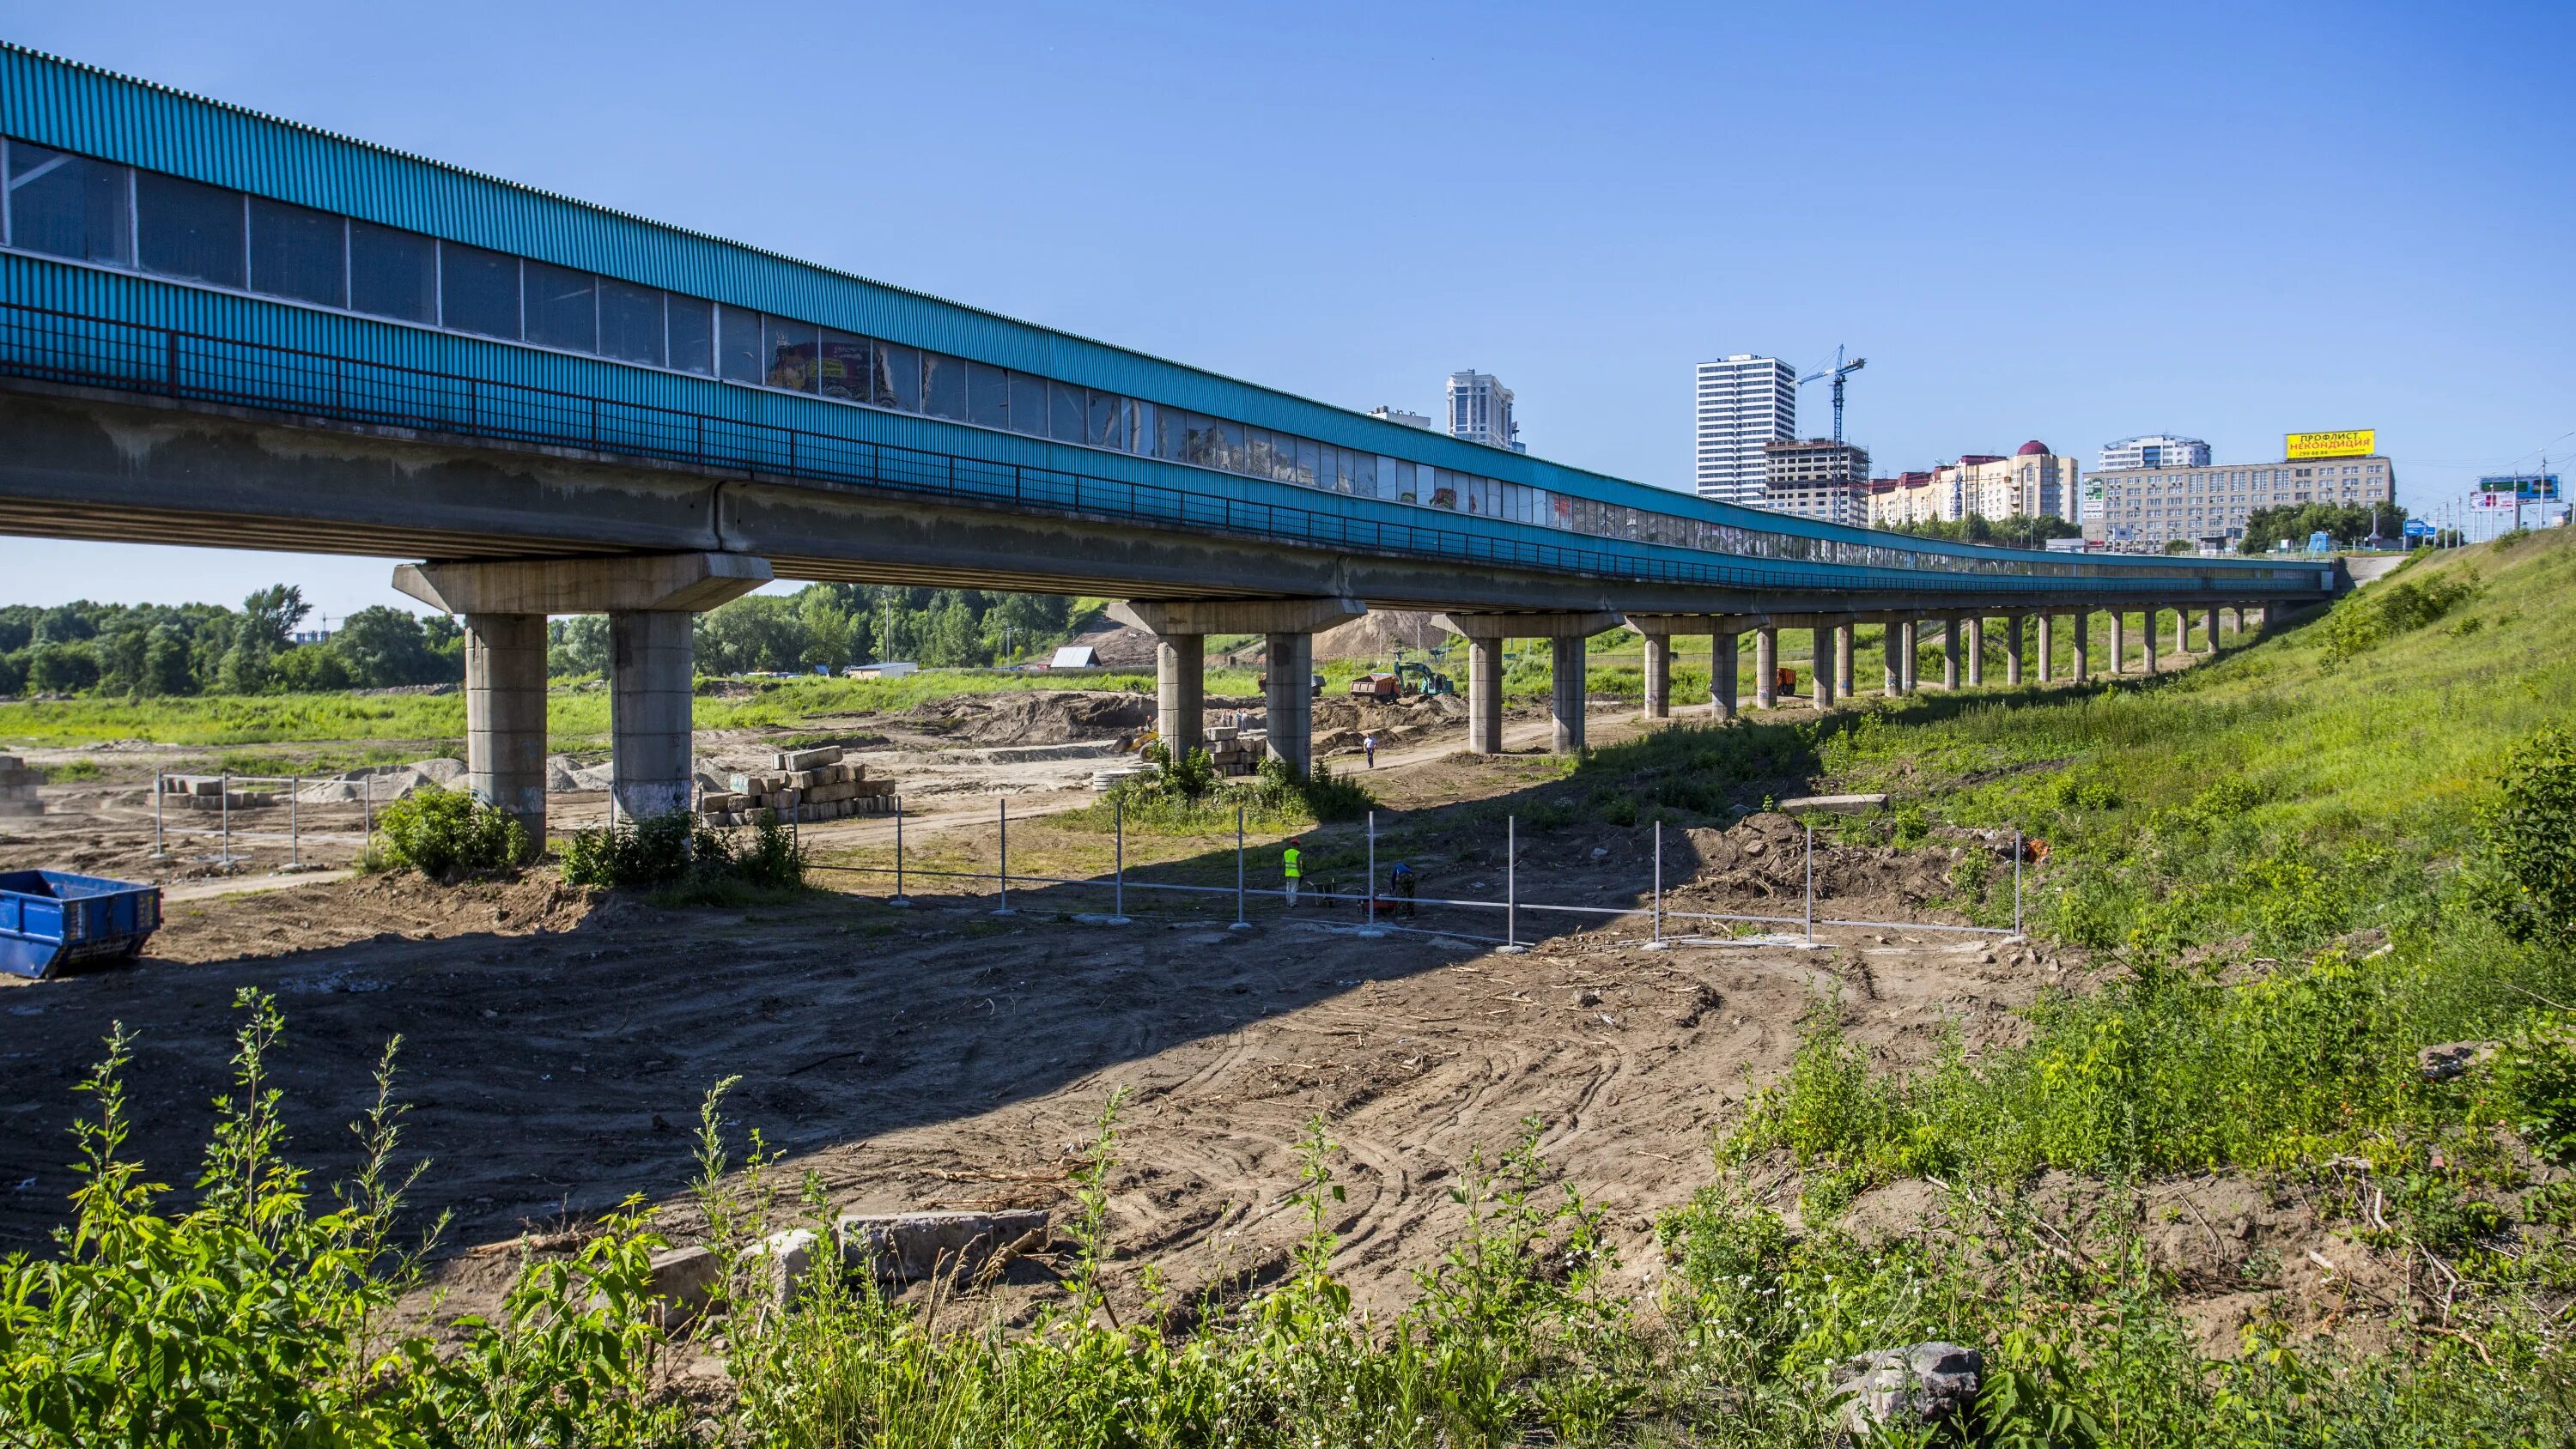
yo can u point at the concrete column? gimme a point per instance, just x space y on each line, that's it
2147 643
1766 667
1824 652
1912 656
1892 646
1659 676
1726 662
2012 649
505 716
1485 696
649 720
1976 651
2047 644
2209 624
2119 642
1950 654
1843 659
1180 692
1292 699
2083 643
1565 692
2182 630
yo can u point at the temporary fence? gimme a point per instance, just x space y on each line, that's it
228 800
1376 908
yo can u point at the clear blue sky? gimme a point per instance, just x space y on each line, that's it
2064 222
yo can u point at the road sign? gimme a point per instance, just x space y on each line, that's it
2418 528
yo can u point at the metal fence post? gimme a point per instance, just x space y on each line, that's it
899 898
1004 908
2017 854
1371 881
224 803
1811 882
1118 898
1511 882
1240 924
294 833
160 787
1659 882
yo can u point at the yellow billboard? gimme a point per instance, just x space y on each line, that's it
2344 443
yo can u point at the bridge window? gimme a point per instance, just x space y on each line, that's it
478 291
738 344
68 206
188 229
630 323
1028 405
847 369
793 352
943 386
393 273
298 252
899 376
563 308
1064 412
988 395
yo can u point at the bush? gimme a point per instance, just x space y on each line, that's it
685 861
1189 794
2366 619
441 833
2526 876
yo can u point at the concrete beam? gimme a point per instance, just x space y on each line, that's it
1236 616
1529 626
680 582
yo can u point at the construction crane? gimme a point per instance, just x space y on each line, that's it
1837 372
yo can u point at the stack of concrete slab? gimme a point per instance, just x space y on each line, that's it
207 792
809 785
1235 750
18 788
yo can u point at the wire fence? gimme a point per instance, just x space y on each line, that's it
258 824
1378 911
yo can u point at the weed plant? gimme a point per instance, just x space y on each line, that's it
680 861
445 833
1188 797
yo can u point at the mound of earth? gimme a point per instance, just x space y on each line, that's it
1118 645
1039 716
1763 858
1378 633
398 905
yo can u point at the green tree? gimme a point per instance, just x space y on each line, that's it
68 623
61 668
268 618
381 648
2528 875
166 667
2345 523
579 645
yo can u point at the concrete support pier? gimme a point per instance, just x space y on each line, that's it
1976 650
1843 659
1485 635
649 600
1910 658
2047 645
2119 642
1950 654
1659 676
2147 643
1892 649
1180 692
1565 692
650 681
1725 668
2083 645
2012 649
2182 630
1824 659
2209 627
1291 699
1766 667
1288 627
505 715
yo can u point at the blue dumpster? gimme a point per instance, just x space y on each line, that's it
51 920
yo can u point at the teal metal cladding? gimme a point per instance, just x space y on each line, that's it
84 110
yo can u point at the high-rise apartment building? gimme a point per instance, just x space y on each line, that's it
1743 402
2155 450
2148 508
1389 412
2031 483
1480 411
1816 478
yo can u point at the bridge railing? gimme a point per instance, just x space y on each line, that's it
68 347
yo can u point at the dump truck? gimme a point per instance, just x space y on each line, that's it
52 921
1376 686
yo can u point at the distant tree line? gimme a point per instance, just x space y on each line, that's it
2019 531
2345 523
830 626
150 650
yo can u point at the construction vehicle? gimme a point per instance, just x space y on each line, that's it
1376 686
1263 684
1417 678
1785 680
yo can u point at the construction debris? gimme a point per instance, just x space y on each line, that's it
18 788
808 785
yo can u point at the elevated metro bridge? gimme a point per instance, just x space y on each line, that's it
221 329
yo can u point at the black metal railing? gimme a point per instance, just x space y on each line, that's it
67 347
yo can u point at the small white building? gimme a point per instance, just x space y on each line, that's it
891 669
1075 656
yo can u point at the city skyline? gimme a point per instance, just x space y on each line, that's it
2285 327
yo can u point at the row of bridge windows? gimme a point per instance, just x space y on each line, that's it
65 205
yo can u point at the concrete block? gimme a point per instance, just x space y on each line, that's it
685 1280
900 1247
785 1262
809 759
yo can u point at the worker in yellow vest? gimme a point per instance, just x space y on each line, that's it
1289 868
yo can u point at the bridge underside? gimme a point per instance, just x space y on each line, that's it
124 467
